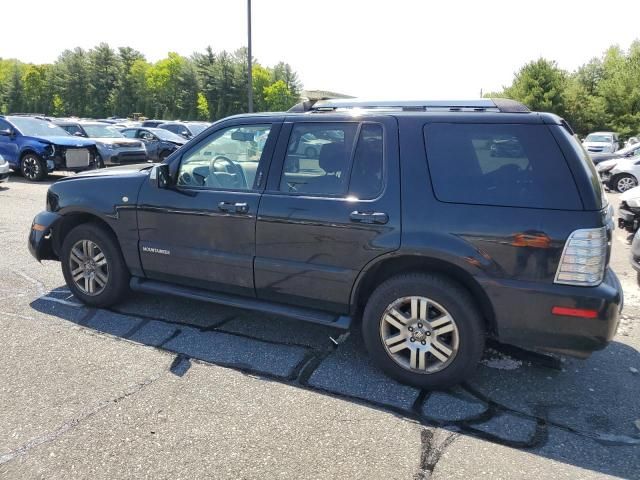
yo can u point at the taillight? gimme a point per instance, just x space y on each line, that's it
584 258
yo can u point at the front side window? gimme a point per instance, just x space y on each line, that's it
511 165
129 133
228 159
318 158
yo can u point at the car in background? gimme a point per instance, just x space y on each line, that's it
113 147
5 170
152 123
187 130
620 175
602 142
34 147
159 143
629 151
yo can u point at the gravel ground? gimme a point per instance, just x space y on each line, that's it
169 388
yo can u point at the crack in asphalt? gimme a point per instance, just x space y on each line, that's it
431 454
74 422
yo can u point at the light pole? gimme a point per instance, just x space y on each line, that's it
250 77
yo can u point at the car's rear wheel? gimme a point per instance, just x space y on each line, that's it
93 266
624 182
33 168
424 330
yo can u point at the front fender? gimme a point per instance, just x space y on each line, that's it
40 241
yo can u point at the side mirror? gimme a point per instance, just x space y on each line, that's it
78 134
6 133
161 176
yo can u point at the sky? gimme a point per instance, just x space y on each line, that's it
393 49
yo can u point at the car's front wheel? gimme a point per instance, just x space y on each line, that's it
93 266
624 182
424 330
33 168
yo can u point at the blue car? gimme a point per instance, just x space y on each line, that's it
34 147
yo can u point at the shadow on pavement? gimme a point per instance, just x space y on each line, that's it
577 412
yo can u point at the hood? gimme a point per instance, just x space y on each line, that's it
69 141
601 157
632 193
117 140
115 171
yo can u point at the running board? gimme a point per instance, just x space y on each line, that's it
299 313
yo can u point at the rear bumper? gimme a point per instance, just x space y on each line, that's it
40 240
524 318
118 158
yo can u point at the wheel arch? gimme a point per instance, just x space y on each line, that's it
71 220
388 267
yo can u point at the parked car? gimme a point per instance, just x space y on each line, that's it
620 175
34 147
152 123
159 143
635 254
113 147
629 210
602 142
5 170
187 130
405 223
629 151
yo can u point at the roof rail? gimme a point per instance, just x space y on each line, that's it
503 105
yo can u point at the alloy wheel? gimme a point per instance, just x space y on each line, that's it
625 183
89 267
30 167
419 334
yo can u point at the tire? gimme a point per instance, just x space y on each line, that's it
310 152
113 273
623 182
33 168
443 297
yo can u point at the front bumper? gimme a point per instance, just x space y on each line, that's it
524 318
5 170
40 240
119 157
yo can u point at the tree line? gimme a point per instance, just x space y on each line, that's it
103 82
602 94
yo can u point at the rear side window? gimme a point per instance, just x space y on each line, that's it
499 164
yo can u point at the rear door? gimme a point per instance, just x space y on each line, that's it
328 212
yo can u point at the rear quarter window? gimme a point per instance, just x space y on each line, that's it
509 165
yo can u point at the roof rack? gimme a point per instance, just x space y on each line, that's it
503 105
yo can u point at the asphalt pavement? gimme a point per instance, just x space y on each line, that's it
162 387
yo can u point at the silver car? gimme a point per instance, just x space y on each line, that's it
602 142
113 147
4 170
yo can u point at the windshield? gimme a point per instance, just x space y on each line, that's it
102 131
599 138
34 127
163 134
196 128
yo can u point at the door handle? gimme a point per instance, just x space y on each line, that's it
369 217
232 207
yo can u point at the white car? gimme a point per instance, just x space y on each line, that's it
620 174
4 170
602 142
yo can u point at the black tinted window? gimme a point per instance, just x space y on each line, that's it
366 173
499 164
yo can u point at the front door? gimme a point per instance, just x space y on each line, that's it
8 145
332 205
201 231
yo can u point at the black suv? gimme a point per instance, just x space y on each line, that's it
415 219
